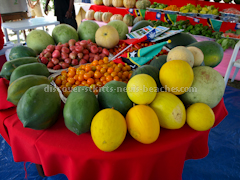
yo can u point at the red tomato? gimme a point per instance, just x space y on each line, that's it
137 46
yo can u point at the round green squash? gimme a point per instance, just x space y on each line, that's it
9 66
21 51
147 3
98 15
22 84
128 19
208 87
79 110
159 61
39 107
114 95
150 70
140 5
27 69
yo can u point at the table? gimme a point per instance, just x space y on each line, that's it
59 150
153 15
28 24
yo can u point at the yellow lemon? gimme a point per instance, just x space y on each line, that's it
170 110
200 117
176 76
108 129
143 124
141 89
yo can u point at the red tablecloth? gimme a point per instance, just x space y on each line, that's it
1 35
59 150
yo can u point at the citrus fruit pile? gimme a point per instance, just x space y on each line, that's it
93 75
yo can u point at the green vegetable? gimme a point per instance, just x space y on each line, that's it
197 28
219 41
193 31
238 31
217 35
198 32
190 27
174 28
209 31
230 31
205 27
204 32
180 27
226 43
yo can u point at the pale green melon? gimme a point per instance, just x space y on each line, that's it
208 87
121 27
87 30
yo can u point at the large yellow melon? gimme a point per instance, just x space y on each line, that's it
141 89
170 110
176 76
143 124
108 129
181 53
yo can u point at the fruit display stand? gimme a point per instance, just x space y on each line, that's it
221 6
59 150
149 15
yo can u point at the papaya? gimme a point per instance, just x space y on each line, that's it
141 24
21 51
39 107
212 51
27 69
79 110
9 66
114 95
22 84
150 70
180 39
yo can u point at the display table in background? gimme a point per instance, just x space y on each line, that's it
153 15
31 23
59 150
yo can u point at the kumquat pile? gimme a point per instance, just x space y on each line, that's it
94 75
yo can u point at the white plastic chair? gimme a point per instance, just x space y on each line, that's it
233 62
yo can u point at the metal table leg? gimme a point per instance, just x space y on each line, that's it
5 34
18 37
